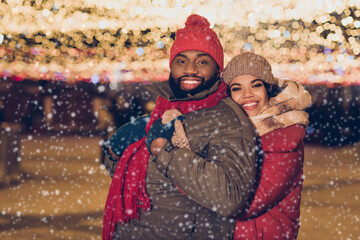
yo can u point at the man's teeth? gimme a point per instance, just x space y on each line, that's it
190 81
249 104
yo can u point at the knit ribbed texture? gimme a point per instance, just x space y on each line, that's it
248 64
198 36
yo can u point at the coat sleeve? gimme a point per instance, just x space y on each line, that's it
273 224
121 139
221 176
283 161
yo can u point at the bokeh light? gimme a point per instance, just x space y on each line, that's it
123 40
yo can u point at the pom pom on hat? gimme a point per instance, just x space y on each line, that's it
197 35
195 19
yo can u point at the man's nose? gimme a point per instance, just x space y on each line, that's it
191 69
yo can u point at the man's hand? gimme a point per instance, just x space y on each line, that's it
157 144
160 130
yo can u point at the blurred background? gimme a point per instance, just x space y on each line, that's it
71 72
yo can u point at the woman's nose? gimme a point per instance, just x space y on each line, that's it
248 93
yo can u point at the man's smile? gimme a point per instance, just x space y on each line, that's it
190 83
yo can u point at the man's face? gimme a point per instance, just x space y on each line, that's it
193 71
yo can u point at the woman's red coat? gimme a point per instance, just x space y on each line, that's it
275 209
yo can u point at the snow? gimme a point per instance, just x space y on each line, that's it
61 186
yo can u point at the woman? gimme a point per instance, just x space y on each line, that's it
276 109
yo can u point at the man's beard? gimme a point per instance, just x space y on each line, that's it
179 93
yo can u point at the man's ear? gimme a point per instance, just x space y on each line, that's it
218 72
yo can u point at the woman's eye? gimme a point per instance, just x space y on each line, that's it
180 61
236 89
257 85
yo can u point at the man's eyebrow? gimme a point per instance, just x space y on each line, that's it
181 55
203 55
199 55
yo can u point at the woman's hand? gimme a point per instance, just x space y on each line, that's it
157 144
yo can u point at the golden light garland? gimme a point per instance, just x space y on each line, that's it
123 40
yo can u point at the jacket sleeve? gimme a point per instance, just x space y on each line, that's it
273 223
219 178
121 139
283 161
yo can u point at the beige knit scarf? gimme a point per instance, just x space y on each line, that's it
285 109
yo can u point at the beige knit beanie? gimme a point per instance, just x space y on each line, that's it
248 64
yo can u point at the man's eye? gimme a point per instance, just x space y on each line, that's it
203 62
180 61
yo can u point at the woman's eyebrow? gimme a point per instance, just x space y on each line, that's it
235 84
255 80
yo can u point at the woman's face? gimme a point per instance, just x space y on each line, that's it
250 93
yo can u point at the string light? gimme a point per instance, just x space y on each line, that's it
123 40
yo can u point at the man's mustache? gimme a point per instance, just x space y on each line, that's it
190 76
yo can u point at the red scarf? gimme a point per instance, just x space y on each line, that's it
127 192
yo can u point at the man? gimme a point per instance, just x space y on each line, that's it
161 191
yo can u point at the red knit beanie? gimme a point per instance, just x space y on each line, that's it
198 36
